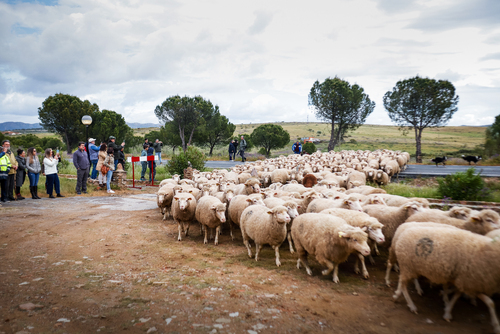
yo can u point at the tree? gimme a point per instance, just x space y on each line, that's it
270 137
107 123
185 114
62 114
215 129
492 143
344 106
420 103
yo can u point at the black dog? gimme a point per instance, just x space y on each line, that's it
440 160
471 158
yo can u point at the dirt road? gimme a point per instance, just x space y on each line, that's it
110 264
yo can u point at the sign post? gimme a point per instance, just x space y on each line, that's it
141 159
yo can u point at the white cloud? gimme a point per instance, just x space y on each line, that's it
256 60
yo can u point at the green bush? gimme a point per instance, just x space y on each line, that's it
262 151
179 162
309 148
464 186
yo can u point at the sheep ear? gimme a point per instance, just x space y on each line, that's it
346 201
249 200
342 234
476 219
270 212
176 198
213 207
364 228
302 196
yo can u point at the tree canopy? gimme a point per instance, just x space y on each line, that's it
492 143
270 137
418 103
107 123
185 114
346 107
215 129
62 114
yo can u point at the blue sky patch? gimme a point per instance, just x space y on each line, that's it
20 30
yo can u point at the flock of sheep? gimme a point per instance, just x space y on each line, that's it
321 204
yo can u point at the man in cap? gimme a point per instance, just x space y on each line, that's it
82 165
94 157
243 147
157 146
116 148
11 179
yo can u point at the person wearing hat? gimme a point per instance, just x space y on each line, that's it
82 165
94 157
157 146
115 148
11 179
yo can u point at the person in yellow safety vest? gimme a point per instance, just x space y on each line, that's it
5 166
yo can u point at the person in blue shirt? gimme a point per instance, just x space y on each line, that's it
144 164
151 164
297 148
94 157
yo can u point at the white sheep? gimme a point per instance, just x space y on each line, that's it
329 238
305 200
183 212
211 213
280 175
164 198
251 186
238 204
292 212
350 203
469 261
264 226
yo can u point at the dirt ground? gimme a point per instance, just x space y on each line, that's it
110 264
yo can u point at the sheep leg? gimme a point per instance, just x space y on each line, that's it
361 258
205 241
202 228
231 229
289 237
449 306
258 247
403 287
336 273
491 306
303 258
211 233
396 267
277 253
247 244
181 229
417 287
356 266
388 273
186 226
217 232
375 247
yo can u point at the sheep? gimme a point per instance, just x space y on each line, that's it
444 256
183 211
373 199
243 177
392 168
391 217
164 198
305 200
350 203
295 188
174 180
460 212
292 212
381 178
354 178
495 234
238 204
362 220
264 226
280 175
251 186
329 238
210 212
480 222
394 200
309 180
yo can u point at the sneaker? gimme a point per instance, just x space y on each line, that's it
110 191
78 193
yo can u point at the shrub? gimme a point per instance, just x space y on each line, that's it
464 186
309 148
262 151
179 162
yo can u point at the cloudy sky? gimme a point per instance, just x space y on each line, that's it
256 59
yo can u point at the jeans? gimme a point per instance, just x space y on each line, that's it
109 176
159 156
152 167
116 163
33 179
144 165
94 171
53 179
81 180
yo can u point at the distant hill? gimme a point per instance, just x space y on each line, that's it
143 125
5 126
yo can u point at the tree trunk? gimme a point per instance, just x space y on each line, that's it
191 136
418 140
211 149
181 134
67 143
331 144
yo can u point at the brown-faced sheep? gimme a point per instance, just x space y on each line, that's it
264 226
329 238
211 213
251 186
183 211
309 180
449 256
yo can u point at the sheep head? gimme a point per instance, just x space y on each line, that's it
356 238
220 211
374 229
183 201
253 185
280 214
353 204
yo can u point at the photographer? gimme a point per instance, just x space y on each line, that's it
115 148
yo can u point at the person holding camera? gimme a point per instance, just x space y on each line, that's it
116 149
50 168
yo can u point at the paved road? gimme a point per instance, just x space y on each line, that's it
432 170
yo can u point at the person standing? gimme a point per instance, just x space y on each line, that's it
102 156
297 148
115 148
50 168
11 180
151 164
121 158
232 150
235 144
94 157
109 162
157 146
34 168
144 164
4 173
243 147
21 172
82 165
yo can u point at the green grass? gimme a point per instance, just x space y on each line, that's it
411 191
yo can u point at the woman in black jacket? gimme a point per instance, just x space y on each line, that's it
21 172
232 150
